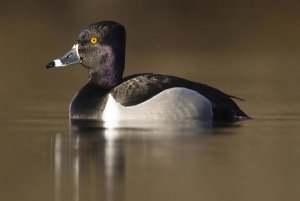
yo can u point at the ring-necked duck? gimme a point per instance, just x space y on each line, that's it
109 97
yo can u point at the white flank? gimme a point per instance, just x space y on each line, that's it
172 104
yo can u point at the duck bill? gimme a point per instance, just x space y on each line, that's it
72 57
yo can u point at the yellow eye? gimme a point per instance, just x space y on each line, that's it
94 40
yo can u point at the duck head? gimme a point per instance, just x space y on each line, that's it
101 49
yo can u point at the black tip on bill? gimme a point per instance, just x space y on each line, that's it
50 64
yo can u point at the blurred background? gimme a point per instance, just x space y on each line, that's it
247 48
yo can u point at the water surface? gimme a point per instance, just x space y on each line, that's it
249 49
44 158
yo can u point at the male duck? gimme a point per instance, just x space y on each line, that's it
109 97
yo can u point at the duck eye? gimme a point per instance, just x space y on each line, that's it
94 40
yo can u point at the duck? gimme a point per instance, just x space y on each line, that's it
108 96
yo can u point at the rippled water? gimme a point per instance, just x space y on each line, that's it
249 49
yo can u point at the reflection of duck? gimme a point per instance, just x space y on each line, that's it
88 165
109 97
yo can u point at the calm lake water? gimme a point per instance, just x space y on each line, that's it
250 50
44 158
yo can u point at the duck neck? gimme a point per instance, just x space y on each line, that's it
109 71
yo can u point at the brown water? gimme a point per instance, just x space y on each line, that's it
249 49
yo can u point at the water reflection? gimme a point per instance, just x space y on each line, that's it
175 126
88 164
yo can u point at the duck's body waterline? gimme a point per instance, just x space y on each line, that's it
109 97
173 104
185 104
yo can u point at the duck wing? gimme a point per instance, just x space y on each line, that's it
138 88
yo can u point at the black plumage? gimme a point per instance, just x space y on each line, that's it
136 89
105 60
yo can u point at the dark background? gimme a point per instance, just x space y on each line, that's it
248 48
253 44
